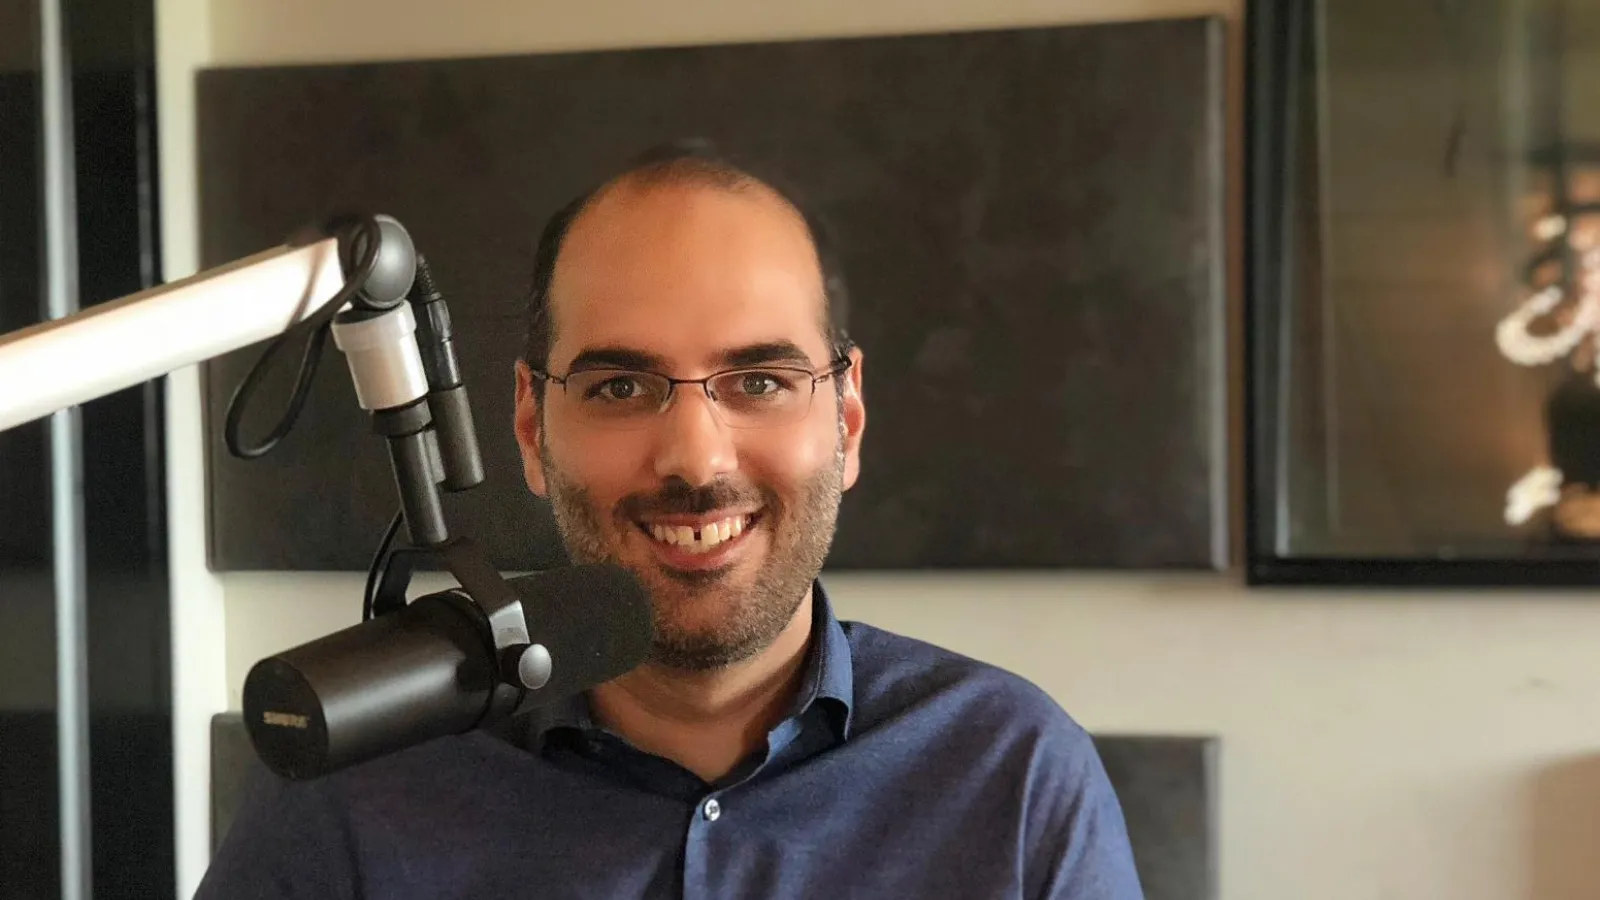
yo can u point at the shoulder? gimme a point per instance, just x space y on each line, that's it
995 727
331 802
898 676
418 822
314 838
284 840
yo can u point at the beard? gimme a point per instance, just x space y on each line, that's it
750 615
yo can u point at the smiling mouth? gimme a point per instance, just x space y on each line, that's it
701 537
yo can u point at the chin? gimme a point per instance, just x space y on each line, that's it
696 601
698 598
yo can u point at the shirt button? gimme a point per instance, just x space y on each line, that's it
712 810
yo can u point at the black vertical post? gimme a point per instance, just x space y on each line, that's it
30 811
86 785
124 463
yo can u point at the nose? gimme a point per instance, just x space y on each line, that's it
693 444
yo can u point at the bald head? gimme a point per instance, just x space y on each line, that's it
679 221
684 254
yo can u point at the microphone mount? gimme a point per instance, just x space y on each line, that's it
397 338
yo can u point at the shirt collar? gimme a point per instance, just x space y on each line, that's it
829 681
829 671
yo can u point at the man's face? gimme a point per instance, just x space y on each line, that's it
687 281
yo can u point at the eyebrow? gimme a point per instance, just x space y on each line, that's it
616 358
764 353
632 358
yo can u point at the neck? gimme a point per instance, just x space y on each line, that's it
708 722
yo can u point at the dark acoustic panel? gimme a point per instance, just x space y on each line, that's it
1166 785
1031 226
1168 790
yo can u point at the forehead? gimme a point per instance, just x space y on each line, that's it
686 272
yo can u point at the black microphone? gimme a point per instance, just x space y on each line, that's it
430 669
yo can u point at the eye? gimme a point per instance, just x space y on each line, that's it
761 384
616 388
757 384
620 388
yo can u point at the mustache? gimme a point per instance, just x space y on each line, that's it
677 496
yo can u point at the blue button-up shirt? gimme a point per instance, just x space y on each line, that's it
902 770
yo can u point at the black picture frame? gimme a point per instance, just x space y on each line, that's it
1281 92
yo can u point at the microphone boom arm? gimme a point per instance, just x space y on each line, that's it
120 343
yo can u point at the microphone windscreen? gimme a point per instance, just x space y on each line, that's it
595 620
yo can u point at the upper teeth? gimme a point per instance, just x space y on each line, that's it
701 539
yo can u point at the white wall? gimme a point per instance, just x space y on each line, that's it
183 44
1374 745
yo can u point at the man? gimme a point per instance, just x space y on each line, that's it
690 410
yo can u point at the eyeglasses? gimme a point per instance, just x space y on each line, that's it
750 397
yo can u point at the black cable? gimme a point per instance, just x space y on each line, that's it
379 563
367 234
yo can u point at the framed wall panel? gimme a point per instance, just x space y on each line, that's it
1031 227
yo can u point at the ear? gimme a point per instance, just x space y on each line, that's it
855 418
526 427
